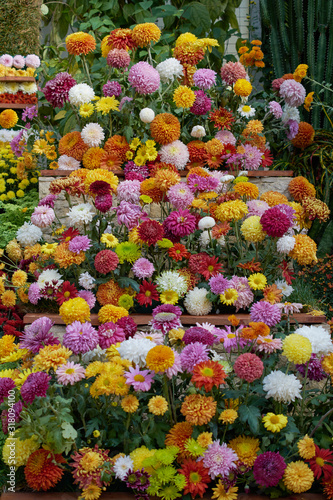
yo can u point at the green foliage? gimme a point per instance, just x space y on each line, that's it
19 27
14 215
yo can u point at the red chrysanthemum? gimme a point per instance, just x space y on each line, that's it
65 292
150 232
197 477
209 267
68 235
222 118
121 38
196 260
322 463
328 488
148 293
267 158
207 374
106 261
229 149
100 188
197 150
41 472
248 367
178 252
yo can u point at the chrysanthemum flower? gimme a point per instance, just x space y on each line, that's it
222 118
158 405
274 423
144 78
252 229
246 448
268 469
41 471
297 349
298 477
130 403
80 43
208 374
322 463
197 477
257 281
70 373
8 118
183 97
72 145
219 459
228 416
231 72
76 309
273 198
248 367
315 209
234 209
304 251
198 409
145 33
111 313
51 356
242 87
160 358
221 493
306 447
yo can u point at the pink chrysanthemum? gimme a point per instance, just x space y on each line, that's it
218 284
144 78
6 60
276 84
180 223
275 222
275 109
176 367
129 191
265 312
180 196
56 90
245 294
88 296
19 62
268 344
34 293
106 261
252 157
79 244
204 78
175 153
132 168
192 354
256 207
219 459
293 93
118 58
42 216
226 137
268 469
231 339
197 183
140 380
112 88
248 367
128 214
70 373
110 333
202 103
198 334
32 61
80 337
231 72
36 385
143 268
166 317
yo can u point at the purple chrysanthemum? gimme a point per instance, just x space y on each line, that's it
180 196
245 294
252 157
128 325
315 370
265 312
6 385
275 222
134 378
275 109
256 207
128 214
166 317
202 103
138 480
131 168
88 296
80 337
218 284
197 183
35 386
34 293
144 78
293 129
15 145
143 268
48 200
180 223
219 459
204 78
129 191
268 469
38 335
56 90
112 88
293 93
192 354
29 113
79 244
110 333
198 334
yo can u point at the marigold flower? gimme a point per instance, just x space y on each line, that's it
304 136
246 448
306 447
111 313
144 34
80 43
8 118
242 87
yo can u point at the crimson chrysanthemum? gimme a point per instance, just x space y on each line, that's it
106 261
222 118
148 292
207 374
275 222
65 292
209 266
150 232
268 469
41 472
197 478
322 463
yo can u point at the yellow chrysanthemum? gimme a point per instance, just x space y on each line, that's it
183 97
229 297
186 38
242 87
252 229
8 298
274 423
306 447
158 405
145 33
139 455
247 189
106 104
49 248
19 278
297 349
229 210
298 477
160 358
51 356
7 345
228 416
76 309
257 281
112 313
130 403
327 364
304 251
169 297
220 493
205 439
23 449
86 109
246 448
175 334
109 240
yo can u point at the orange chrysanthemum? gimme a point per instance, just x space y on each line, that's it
72 145
304 251
255 330
247 189
166 178
80 43
246 448
144 34
316 209
92 158
160 358
252 266
328 488
304 137
188 53
118 145
198 171
51 356
254 127
197 150
65 258
163 166
273 198
165 128
197 478
220 229
109 293
272 294
222 118
149 187
207 374
73 185
214 147
41 472
300 187
110 161
177 436
8 118
178 252
198 409
254 139
122 39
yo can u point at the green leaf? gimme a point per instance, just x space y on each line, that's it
68 431
145 5
128 282
198 15
251 415
96 22
60 115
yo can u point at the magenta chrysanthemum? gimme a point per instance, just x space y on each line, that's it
140 380
80 337
265 312
112 88
110 333
198 334
256 207
70 373
129 191
143 268
144 78
202 103
204 78
132 168
219 459
48 200
34 293
38 334
268 469
166 317
275 109
314 369
118 58
248 367
180 223
252 157
36 385
293 93
192 354
180 196
218 284
6 385
275 222
42 216
56 90
197 183
175 153
231 72
79 244
128 214
288 211
128 325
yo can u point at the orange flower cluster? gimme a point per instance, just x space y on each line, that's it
18 98
251 55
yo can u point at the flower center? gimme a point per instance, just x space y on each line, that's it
320 461
207 372
139 378
275 419
195 477
210 268
147 293
67 294
231 335
246 109
70 371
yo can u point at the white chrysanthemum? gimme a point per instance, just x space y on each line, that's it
92 135
227 178
290 113
169 70
285 244
80 214
8 135
198 132
28 234
49 276
286 289
80 94
221 241
97 354
11 88
171 280
135 350
67 163
246 111
28 87
319 337
204 238
244 172
281 387
121 467
147 115
196 302
206 223
86 281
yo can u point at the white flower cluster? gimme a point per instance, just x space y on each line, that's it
281 387
86 281
68 163
169 70
80 94
92 135
49 276
80 214
319 337
196 302
8 135
171 280
28 234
